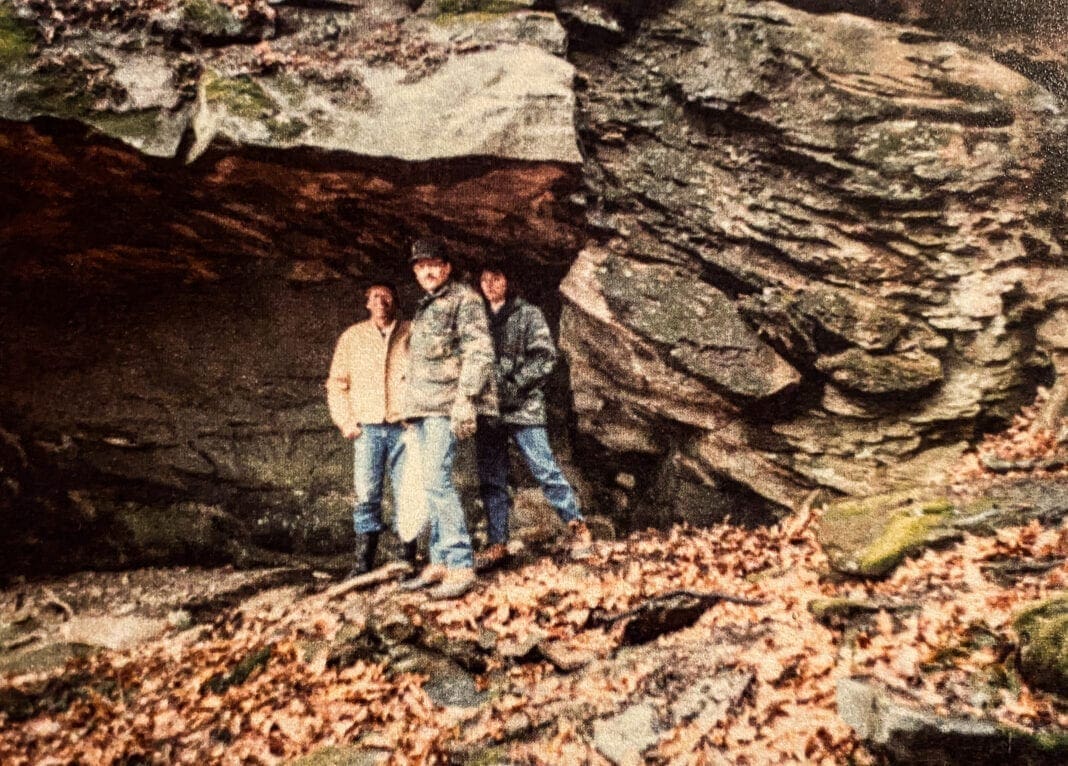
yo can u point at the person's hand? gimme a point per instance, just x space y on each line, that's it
352 432
462 418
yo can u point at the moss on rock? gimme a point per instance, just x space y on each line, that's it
16 38
870 536
1043 632
209 19
136 125
904 534
285 131
54 91
241 96
342 755
832 611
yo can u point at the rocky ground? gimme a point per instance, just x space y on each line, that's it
718 645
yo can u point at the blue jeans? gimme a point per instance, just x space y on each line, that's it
375 451
491 451
449 542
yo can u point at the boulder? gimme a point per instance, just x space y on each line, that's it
1042 629
908 733
869 536
868 230
623 737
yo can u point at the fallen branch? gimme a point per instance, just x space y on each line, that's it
383 574
21 641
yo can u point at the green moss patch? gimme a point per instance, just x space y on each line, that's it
453 7
139 124
903 535
16 38
871 536
286 130
210 18
240 96
56 92
1043 633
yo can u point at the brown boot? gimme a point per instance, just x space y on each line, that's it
434 573
491 557
457 582
580 541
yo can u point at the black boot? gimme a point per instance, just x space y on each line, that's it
411 557
411 551
366 548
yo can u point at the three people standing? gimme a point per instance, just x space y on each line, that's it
440 377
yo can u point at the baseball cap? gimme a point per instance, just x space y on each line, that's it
426 249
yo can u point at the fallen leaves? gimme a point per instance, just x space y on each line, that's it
939 625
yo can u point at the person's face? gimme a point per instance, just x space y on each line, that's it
431 273
381 304
494 286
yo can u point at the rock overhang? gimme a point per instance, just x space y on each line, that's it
790 272
350 106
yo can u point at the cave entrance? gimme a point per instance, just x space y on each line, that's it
167 328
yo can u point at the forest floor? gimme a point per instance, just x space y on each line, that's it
688 646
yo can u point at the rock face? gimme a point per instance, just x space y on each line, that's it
796 248
871 203
194 199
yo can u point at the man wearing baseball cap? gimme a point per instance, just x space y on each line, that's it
450 383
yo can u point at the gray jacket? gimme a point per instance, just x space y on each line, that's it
526 355
451 354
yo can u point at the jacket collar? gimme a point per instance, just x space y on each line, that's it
429 298
506 310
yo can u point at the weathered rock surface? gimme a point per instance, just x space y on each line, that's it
874 204
813 250
189 212
1042 629
413 90
908 733
868 537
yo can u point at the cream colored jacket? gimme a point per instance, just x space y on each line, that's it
367 375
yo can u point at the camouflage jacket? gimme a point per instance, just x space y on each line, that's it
525 355
451 354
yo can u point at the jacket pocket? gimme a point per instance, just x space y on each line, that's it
437 349
445 369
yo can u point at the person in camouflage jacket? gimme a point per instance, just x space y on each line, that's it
450 382
525 356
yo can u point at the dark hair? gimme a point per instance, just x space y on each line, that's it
497 267
380 283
